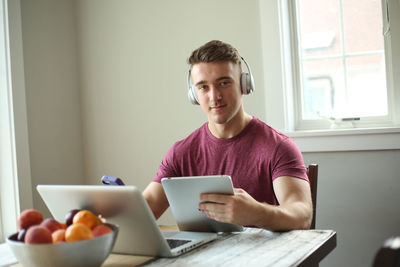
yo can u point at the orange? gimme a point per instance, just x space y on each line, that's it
78 232
58 236
97 222
86 217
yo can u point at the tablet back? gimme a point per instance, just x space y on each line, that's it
183 194
125 206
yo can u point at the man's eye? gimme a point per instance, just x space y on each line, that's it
224 83
202 87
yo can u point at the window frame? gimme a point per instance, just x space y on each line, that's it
15 176
279 96
291 47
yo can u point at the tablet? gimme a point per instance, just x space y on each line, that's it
183 194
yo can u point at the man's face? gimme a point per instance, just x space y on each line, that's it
218 90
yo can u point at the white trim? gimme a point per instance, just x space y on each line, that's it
392 56
347 139
273 67
15 180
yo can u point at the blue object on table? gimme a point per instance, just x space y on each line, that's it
110 180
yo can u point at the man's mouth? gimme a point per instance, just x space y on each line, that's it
217 108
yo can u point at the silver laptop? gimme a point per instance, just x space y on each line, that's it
125 206
183 194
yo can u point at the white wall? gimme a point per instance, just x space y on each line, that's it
134 71
358 196
106 94
52 93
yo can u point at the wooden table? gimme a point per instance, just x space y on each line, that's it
122 260
253 247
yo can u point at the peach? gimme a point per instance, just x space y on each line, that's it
38 234
51 224
101 230
29 217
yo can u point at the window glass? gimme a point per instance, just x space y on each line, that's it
319 25
341 59
362 25
320 81
366 83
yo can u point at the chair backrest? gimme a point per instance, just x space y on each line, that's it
312 173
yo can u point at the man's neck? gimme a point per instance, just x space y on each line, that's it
230 129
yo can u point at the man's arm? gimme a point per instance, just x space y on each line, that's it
295 204
155 197
294 210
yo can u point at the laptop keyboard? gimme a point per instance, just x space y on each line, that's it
173 243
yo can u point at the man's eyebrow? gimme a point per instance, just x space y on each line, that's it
224 78
200 82
219 79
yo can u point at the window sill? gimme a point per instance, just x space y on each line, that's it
6 256
347 139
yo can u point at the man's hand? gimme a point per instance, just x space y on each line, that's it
239 208
293 212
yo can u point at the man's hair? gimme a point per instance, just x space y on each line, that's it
215 51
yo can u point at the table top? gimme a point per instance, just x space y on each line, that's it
252 247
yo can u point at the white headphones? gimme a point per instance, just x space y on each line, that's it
246 84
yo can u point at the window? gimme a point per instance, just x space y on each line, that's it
15 180
338 53
3 117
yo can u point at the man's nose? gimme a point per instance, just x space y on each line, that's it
215 94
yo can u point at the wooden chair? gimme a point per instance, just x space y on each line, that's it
389 254
312 173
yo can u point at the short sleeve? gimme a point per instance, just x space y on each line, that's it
166 168
288 161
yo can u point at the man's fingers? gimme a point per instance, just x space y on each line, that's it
215 211
222 217
216 198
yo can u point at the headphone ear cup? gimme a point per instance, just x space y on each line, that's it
192 96
247 80
191 91
245 83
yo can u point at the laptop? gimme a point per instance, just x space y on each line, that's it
183 194
125 206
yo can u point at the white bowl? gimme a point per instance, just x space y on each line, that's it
87 253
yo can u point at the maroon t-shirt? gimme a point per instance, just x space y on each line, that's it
253 158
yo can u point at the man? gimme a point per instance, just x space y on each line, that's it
267 169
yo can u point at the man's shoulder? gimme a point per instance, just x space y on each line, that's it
267 130
192 139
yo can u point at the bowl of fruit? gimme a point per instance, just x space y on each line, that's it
83 240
